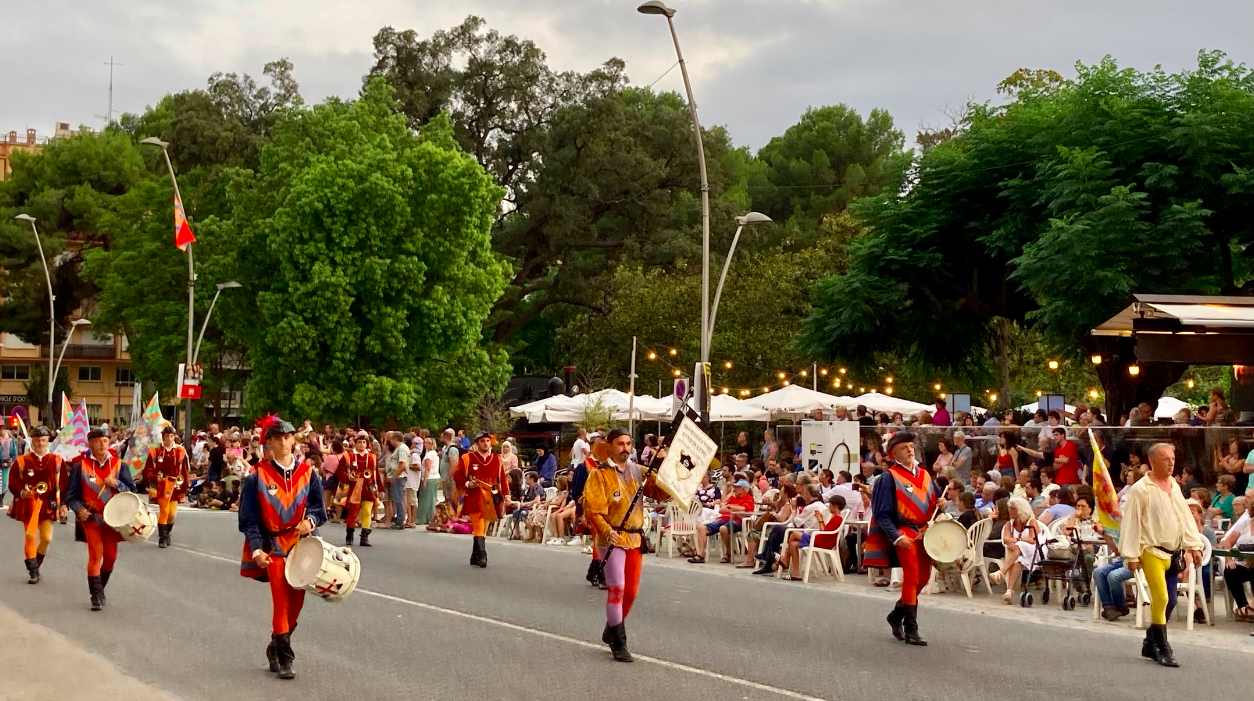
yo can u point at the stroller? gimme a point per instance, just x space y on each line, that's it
1063 561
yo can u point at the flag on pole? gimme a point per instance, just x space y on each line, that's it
182 231
146 435
1108 513
67 411
71 442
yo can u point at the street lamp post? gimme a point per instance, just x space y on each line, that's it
656 7
221 286
741 222
52 316
191 284
65 346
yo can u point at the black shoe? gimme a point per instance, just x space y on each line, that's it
272 657
895 620
32 569
1110 613
1149 646
39 560
283 651
365 538
618 643
607 635
594 570
1165 657
911 625
97 593
349 536
160 535
104 582
479 556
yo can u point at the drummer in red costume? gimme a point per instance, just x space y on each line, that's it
359 469
480 482
95 477
280 502
34 482
903 501
167 474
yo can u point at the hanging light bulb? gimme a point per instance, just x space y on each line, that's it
676 372
1093 393
782 375
888 390
727 365
1053 364
889 379
804 373
1134 370
786 383
674 352
1189 383
1096 359
652 355
823 372
726 390
841 371
936 386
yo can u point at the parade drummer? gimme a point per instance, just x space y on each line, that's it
482 489
902 502
34 481
359 470
280 502
608 495
168 476
95 478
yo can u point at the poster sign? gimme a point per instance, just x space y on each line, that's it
680 395
189 380
688 455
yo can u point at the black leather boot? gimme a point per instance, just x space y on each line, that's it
594 568
32 569
283 650
912 626
104 582
39 559
169 528
1149 646
607 635
348 540
365 538
895 620
1165 657
97 593
474 552
160 535
618 643
483 551
271 656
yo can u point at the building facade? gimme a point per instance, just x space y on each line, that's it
97 365
30 143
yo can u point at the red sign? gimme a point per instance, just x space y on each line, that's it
189 391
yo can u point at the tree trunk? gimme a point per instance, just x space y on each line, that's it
1001 356
1123 389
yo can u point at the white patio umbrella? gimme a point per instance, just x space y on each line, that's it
887 404
723 407
1168 406
571 409
793 401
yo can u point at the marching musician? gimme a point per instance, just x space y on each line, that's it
168 476
607 496
903 500
95 477
34 483
481 485
359 470
280 502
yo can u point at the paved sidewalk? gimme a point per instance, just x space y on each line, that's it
42 665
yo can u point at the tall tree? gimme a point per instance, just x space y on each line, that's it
1050 211
368 248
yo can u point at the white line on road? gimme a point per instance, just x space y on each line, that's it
554 636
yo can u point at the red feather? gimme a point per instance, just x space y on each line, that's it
268 422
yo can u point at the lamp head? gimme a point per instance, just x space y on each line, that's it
228 285
25 217
655 7
753 218
154 141
81 322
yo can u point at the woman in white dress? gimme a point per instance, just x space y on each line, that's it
1021 536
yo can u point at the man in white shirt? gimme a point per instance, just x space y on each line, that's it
580 450
397 470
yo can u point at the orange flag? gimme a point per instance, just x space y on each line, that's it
182 232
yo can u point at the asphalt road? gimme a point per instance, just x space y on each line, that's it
425 625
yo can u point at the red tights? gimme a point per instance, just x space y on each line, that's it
916 569
622 578
102 547
286 600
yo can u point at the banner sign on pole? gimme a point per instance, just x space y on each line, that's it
689 452
189 381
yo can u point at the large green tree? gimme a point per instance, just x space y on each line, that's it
1050 211
367 247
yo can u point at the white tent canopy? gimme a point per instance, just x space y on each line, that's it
563 409
874 401
794 401
722 408
1031 408
1168 406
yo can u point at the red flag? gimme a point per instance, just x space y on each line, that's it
182 232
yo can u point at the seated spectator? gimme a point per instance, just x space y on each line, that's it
779 510
1061 505
967 515
531 498
993 547
1189 479
708 494
1022 480
953 491
805 515
1021 536
1198 509
1238 571
563 510
446 521
984 504
796 541
1109 579
1221 506
827 483
731 516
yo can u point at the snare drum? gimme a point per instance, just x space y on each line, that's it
320 568
945 541
130 516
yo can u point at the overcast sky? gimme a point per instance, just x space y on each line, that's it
756 64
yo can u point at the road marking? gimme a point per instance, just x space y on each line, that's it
678 666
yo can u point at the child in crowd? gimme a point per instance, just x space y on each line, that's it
446 521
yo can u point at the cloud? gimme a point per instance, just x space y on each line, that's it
756 65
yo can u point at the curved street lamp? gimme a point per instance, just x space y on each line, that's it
52 316
741 222
221 286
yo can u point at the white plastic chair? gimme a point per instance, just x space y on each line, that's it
831 557
1195 591
974 557
680 524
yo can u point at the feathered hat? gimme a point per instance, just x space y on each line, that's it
272 426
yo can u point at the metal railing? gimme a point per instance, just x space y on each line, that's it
85 351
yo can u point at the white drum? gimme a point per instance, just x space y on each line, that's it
321 568
945 541
129 515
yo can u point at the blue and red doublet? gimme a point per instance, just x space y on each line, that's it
902 503
272 506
